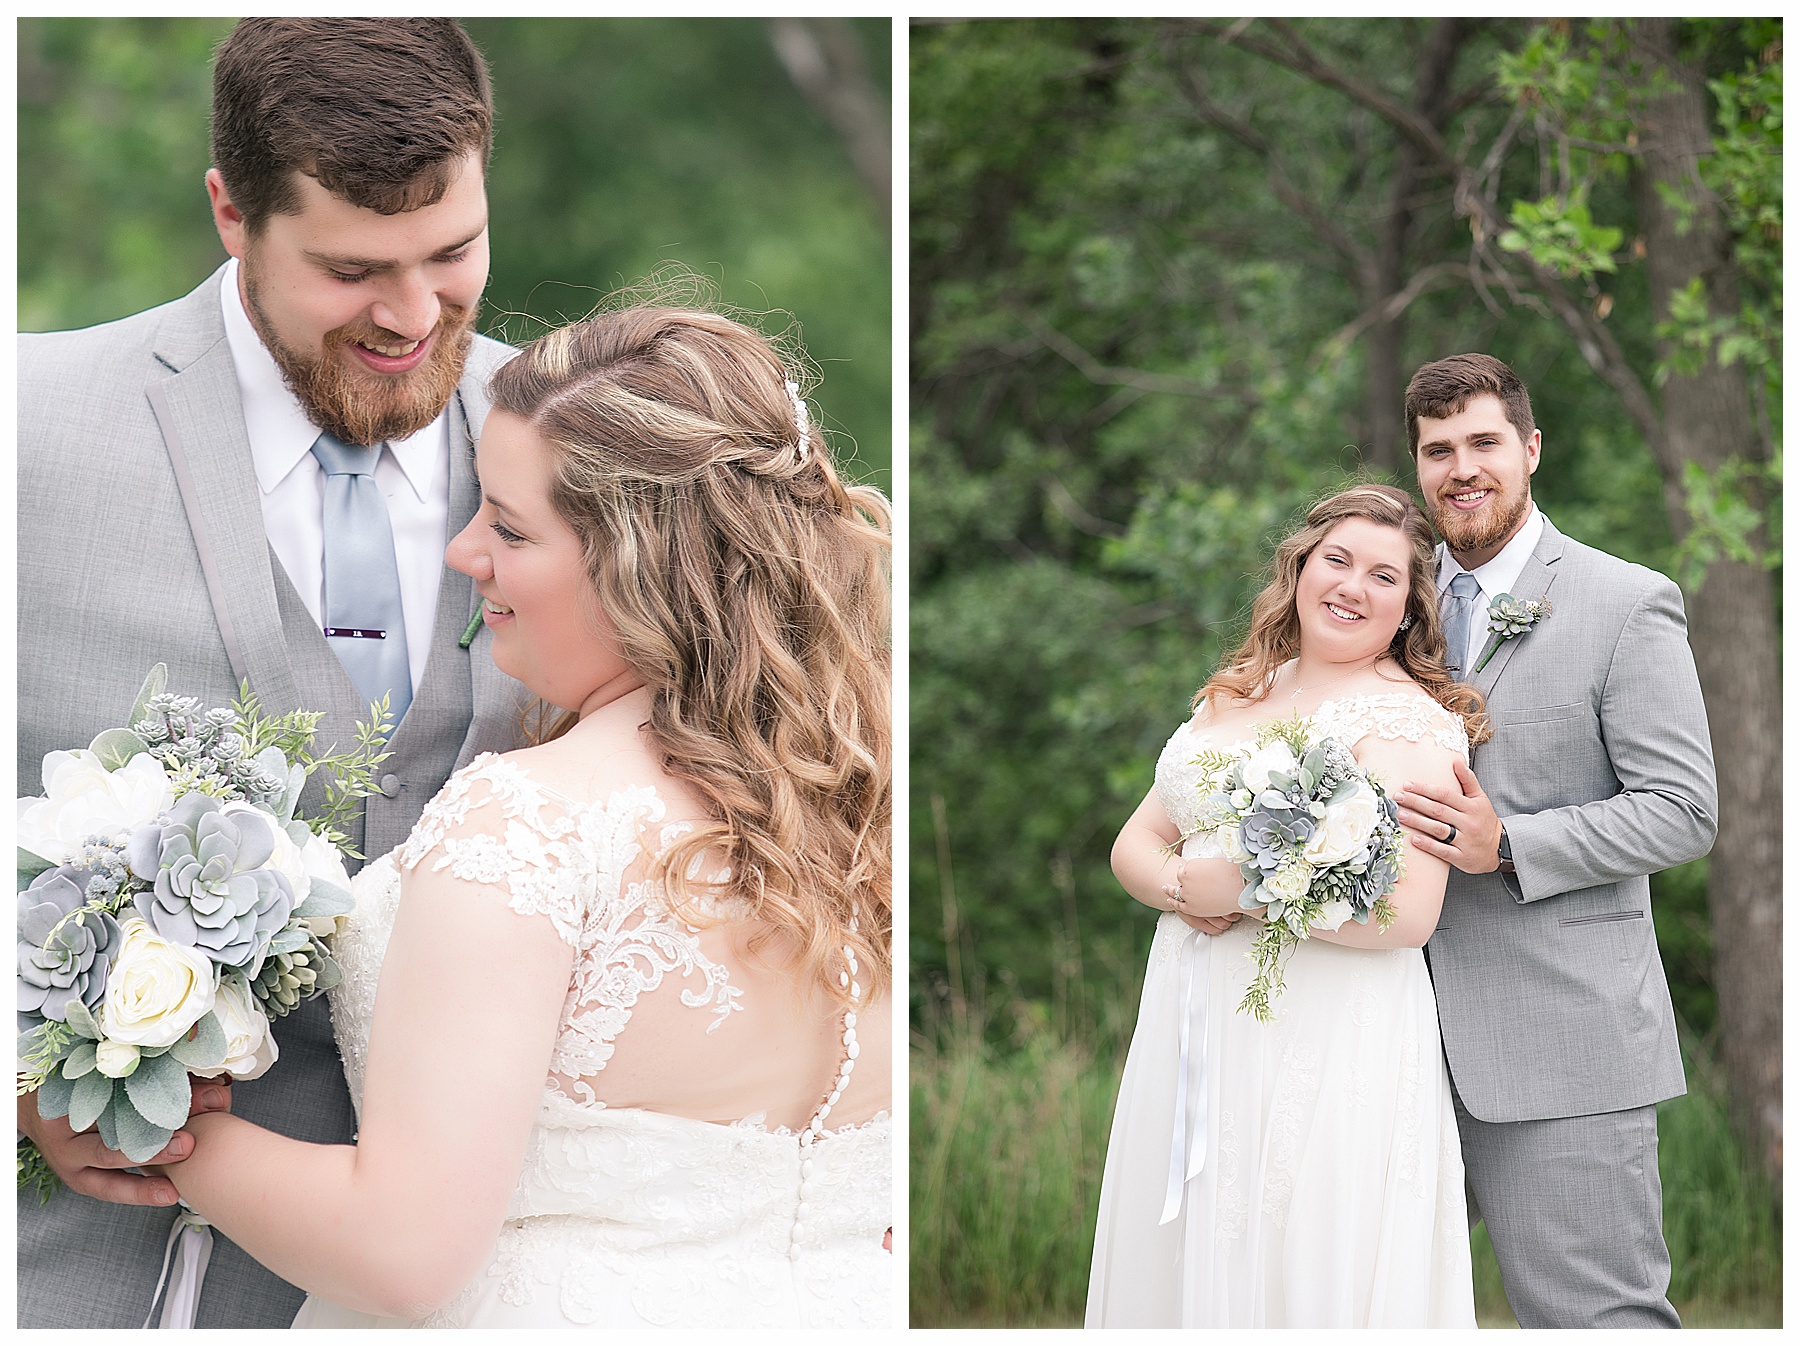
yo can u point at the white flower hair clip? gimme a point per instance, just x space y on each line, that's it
802 422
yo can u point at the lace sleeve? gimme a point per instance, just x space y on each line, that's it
491 824
1393 715
577 864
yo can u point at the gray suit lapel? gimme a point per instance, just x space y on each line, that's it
445 685
202 422
1534 582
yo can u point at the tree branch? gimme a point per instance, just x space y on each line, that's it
1593 340
824 58
1430 278
1112 375
1359 258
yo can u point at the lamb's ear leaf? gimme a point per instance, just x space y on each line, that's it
154 684
53 1095
159 1091
116 747
78 1062
79 1017
93 1091
138 1137
205 1048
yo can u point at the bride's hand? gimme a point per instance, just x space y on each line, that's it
1214 925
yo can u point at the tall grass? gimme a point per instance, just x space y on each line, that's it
1008 1145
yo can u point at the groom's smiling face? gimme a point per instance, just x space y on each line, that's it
368 315
1475 475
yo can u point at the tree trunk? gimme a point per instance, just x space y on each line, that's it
1733 628
1384 347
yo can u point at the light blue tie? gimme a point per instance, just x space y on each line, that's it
364 623
1459 612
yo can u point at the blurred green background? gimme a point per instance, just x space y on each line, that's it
1168 281
619 144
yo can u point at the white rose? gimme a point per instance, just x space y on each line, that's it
1290 882
115 1060
1344 830
1275 756
157 990
83 799
1330 916
322 861
249 1045
1231 845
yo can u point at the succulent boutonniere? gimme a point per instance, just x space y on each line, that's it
1509 617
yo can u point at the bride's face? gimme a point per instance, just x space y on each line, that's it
549 632
1352 591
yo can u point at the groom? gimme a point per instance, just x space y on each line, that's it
225 483
1555 1013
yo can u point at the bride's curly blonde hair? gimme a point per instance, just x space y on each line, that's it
1274 636
749 587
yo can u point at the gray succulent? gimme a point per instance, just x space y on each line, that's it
64 952
292 974
1509 616
211 891
1273 836
182 737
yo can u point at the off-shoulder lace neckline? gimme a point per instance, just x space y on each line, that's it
1410 714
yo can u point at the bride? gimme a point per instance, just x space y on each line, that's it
1302 1172
616 1017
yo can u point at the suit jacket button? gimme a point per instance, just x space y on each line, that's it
390 785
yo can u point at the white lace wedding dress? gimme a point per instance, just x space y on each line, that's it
1330 1182
626 1217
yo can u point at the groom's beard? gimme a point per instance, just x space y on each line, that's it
360 406
1487 529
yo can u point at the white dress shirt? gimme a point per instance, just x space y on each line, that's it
413 475
1495 578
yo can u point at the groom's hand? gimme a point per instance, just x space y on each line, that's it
1429 813
85 1164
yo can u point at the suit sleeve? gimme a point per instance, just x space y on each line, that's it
1653 723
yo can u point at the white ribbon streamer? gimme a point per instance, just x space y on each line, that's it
195 1237
1187 1142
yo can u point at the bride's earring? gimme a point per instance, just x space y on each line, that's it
1406 622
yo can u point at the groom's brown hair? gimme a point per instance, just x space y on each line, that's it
1444 387
381 111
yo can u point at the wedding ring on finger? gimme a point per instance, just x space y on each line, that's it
1451 839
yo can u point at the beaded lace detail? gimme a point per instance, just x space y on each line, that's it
568 862
1392 715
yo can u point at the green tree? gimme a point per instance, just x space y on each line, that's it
1151 261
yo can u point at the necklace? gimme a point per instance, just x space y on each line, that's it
1318 686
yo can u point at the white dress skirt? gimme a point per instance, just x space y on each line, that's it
1329 1182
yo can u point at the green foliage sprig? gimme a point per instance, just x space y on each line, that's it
35 1173
350 773
40 1052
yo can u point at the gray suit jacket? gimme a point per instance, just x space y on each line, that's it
1550 991
132 449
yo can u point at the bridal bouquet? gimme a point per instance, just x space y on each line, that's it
172 906
1315 837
